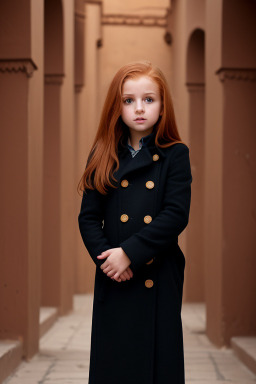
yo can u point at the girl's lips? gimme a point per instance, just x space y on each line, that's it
140 119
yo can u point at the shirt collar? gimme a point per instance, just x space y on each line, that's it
143 141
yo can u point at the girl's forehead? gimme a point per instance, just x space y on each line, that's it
141 83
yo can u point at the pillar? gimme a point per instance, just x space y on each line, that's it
21 110
195 271
230 170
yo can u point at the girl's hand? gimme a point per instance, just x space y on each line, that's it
126 275
117 262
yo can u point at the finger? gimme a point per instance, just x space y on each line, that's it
111 273
116 276
108 273
107 269
107 252
104 254
118 279
126 274
101 256
130 272
104 265
123 277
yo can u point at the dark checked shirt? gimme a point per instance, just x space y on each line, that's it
142 143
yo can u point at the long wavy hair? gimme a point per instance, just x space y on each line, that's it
103 157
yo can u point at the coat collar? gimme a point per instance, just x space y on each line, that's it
144 157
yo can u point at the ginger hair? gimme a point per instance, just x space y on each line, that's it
103 157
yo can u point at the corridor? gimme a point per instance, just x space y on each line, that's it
64 352
57 60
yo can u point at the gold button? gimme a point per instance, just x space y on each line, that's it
150 184
147 219
124 218
149 283
124 183
150 261
155 157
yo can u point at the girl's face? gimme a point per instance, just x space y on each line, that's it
141 104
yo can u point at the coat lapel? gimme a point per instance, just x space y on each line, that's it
144 157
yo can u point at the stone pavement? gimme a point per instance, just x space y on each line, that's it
65 350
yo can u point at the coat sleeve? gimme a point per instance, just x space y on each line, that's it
90 221
172 219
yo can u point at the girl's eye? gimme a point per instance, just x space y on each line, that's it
128 101
149 100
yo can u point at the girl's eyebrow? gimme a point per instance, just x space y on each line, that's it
146 93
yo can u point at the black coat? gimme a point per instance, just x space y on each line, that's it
136 324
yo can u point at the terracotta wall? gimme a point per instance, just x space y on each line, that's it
131 32
57 59
214 174
21 84
214 88
37 149
116 33
88 113
67 158
230 180
59 221
187 27
53 83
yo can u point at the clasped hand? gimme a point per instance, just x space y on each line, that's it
116 266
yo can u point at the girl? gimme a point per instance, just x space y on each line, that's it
136 200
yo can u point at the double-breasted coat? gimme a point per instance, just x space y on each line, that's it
136 335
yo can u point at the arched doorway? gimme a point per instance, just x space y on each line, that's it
195 81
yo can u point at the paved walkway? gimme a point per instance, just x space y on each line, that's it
64 352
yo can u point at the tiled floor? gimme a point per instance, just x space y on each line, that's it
64 352
206 364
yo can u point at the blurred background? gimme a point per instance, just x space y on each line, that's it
57 58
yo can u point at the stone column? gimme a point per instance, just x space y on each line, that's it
230 170
51 236
195 269
20 204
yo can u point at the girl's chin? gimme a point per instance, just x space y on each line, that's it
140 128
143 131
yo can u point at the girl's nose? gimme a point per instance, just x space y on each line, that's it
139 107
